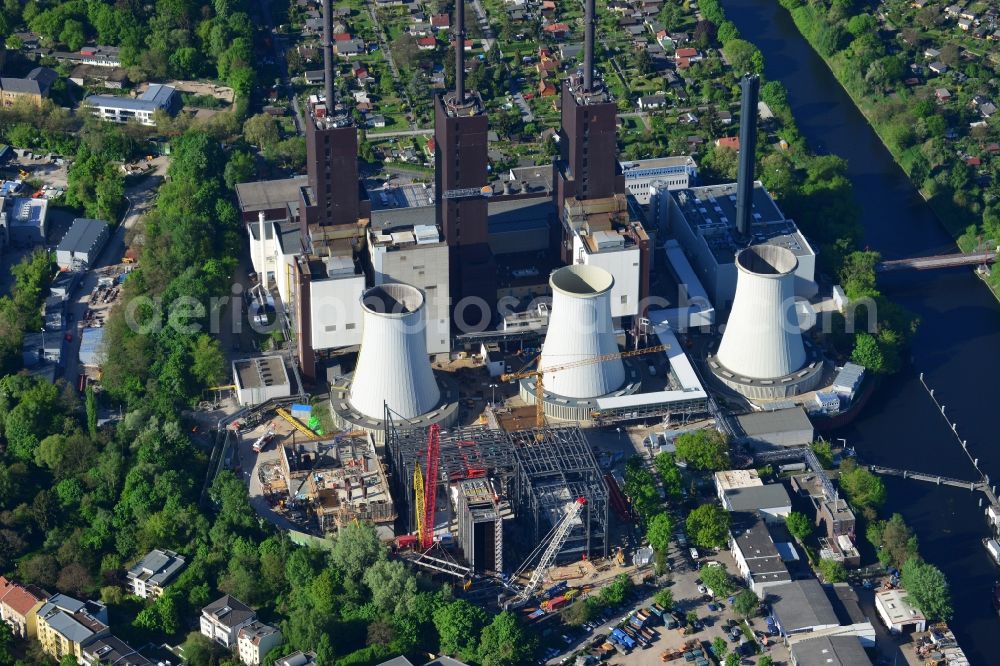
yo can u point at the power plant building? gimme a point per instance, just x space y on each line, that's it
643 177
703 220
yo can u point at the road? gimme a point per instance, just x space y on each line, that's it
388 135
484 25
140 197
278 47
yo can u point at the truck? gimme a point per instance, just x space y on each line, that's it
553 604
555 590
263 441
637 621
657 610
621 638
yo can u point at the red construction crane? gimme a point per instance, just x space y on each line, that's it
430 485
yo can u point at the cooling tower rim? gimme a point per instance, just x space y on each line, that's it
780 260
581 281
402 300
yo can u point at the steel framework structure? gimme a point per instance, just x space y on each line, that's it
555 466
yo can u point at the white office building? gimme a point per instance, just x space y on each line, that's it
676 173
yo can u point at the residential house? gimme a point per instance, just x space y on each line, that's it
725 117
953 11
154 572
65 626
648 102
114 78
967 14
440 22
314 77
34 87
141 109
376 121
931 54
350 47
426 43
255 640
361 74
731 142
546 88
898 614
468 44
222 620
801 606
757 557
938 67
556 30
18 605
942 95
688 52
965 24
112 651
548 9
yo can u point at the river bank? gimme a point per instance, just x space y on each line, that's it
957 346
955 218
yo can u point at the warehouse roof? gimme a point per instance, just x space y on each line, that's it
830 651
754 498
801 604
83 235
782 420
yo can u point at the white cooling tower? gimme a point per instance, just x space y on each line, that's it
393 366
762 338
580 328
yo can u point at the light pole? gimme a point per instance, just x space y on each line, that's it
493 388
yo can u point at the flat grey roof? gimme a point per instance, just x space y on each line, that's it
266 194
158 567
157 96
830 651
412 195
261 371
844 600
782 420
518 214
755 543
113 651
82 235
403 217
801 604
753 498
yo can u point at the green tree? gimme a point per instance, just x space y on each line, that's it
746 603
868 353
356 549
670 474
718 580
928 588
201 651
732 659
262 130
863 489
744 56
505 642
91 406
458 624
664 597
708 526
392 586
659 531
799 525
824 453
705 449
208 362
833 571
894 541
240 168
614 593
640 488
719 647
765 661
579 612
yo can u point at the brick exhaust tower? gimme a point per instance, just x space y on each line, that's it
460 161
750 87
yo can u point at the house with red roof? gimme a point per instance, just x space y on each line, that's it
731 142
426 43
686 52
546 89
468 44
440 22
342 37
18 603
557 30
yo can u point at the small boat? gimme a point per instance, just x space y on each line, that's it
993 548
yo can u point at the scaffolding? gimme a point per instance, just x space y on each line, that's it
479 504
554 467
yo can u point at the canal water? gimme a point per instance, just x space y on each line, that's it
957 347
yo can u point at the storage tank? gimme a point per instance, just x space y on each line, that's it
580 328
393 365
762 338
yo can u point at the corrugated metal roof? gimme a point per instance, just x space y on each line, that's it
83 235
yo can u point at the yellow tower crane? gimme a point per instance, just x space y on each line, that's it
537 373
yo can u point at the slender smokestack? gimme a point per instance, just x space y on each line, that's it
328 56
588 47
460 51
750 86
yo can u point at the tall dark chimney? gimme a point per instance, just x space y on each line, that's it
328 56
750 87
588 47
459 52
